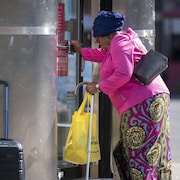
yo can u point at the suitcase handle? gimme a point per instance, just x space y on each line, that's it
6 107
4 82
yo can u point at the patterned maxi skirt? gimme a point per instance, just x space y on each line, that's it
143 152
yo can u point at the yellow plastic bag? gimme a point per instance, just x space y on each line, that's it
76 148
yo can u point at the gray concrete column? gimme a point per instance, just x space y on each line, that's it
140 15
27 63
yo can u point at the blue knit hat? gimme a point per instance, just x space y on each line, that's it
107 22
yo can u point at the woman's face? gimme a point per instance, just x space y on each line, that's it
104 42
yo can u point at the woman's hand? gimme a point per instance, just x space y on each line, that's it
77 46
91 88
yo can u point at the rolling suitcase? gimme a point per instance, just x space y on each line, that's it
11 152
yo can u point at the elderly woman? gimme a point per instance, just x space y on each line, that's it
143 151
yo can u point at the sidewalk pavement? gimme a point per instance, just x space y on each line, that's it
175 136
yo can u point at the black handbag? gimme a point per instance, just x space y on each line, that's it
150 66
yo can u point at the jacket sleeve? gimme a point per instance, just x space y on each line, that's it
123 65
94 55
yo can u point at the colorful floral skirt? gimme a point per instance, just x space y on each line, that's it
143 152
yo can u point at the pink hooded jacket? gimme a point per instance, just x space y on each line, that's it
116 71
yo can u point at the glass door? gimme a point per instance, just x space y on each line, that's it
67 77
72 70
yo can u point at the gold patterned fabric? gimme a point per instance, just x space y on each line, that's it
143 152
135 136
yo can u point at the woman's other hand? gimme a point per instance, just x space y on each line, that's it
91 88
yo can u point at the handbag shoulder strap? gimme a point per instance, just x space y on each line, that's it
139 49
